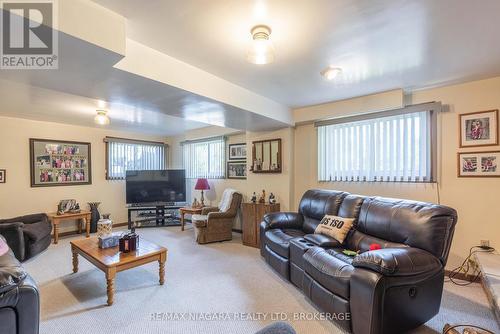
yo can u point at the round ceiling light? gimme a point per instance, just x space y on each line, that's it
331 72
101 118
261 51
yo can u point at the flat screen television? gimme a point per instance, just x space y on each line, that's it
155 186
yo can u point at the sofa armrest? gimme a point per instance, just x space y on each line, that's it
280 220
406 261
28 219
206 210
322 240
220 215
13 234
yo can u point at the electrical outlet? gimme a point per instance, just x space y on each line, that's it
485 243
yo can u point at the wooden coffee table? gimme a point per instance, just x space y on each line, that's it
189 211
111 260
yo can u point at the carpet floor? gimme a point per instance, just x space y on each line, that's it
216 288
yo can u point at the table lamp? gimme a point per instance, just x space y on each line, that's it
202 184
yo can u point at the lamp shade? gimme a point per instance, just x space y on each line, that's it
202 184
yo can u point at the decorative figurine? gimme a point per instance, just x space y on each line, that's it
262 198
272 199
195 203
68 205
254 198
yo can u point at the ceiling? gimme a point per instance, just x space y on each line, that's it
86 76
379 44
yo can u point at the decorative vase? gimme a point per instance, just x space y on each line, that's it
94 216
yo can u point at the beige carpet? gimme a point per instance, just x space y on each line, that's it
228 278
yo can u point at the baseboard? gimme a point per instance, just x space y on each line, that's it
462 276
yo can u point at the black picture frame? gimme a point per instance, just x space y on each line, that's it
81 165
233 149
243 169
3 176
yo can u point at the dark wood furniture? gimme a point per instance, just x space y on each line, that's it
252 216
189 211
266 156
112 261
57 219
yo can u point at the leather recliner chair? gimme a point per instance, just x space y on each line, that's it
19 298
390 290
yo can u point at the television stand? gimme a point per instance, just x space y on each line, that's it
154 215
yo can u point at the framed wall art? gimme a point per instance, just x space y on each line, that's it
479 164
479 128
3 176
238 151
59 163
237 170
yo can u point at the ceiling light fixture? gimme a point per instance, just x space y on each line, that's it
261 51
101 118
331 72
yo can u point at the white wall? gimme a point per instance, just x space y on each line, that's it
18 198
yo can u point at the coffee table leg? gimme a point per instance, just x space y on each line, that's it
75 259
110 280
161 261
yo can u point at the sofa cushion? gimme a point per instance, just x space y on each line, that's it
417 224
335 227
317 203
330 268
279 240
37 231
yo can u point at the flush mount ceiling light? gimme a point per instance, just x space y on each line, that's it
261 51
101 118
331 72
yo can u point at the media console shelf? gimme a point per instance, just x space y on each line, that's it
154 215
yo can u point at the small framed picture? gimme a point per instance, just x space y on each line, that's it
479 129
3 175
237 170
479 164
238 151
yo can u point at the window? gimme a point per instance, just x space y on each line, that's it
205 158
125 154
396 145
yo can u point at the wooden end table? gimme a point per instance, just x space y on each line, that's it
57 219
112 261
189 211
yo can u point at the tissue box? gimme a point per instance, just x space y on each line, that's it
110 240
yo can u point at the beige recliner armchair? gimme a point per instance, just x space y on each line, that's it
216 223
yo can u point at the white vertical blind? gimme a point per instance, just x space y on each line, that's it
126 155
205 158
391 148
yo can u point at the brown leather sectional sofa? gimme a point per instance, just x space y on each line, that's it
390 290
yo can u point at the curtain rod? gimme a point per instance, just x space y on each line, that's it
429 106
202 140
108 139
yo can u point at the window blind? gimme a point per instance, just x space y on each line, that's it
205 158
398 147
125 154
